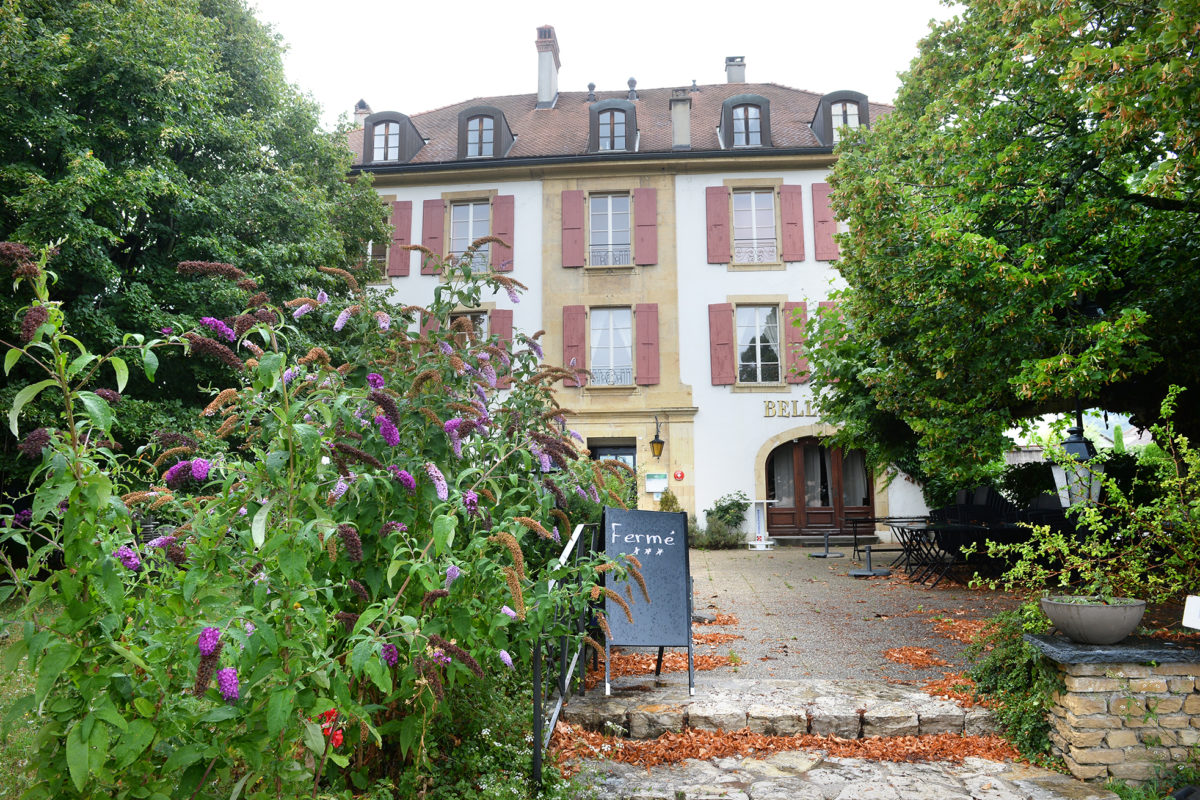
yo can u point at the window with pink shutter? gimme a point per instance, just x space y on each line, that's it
572 229
717 224
398 257
645 215
721 354
795 318
575 342
500 322
503 225
824 225
646 322
433 234
791 212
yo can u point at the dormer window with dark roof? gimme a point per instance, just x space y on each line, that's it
481 136
389 137
613 126
839 110
746 121
483 133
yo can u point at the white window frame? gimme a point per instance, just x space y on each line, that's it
468 228
751 247
611 253
480 321
481 136
747 125
603 326
386 142
843 114
761 320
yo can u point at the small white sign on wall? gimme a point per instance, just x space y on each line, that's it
1191 612
656 482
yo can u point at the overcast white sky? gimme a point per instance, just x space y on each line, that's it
408 56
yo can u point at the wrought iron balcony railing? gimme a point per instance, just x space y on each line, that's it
755 251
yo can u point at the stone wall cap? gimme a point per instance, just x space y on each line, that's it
1134 650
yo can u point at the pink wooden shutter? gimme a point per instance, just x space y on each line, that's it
797 357
398 257
500 323
791 211
717 218
429 323
433 221
645 220
824 225
502 228
572 228
575 341
646 315
721 353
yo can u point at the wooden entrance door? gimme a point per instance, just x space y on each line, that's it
816 488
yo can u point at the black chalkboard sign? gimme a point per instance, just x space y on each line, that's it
658 540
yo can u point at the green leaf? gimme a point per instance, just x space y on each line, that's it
121 369
220 714
98 410
23 397
276 462
111 587
258 526
443 532
129 655
393 568
10 359
279 708
380 674
314 737
77 757
144 707
189 754
149 364
366 618
58 657
109 714
79 363
237 787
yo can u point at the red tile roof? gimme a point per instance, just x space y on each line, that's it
563 130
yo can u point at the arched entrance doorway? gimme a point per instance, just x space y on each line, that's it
816 488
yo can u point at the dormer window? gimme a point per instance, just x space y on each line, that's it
612 130
481 137
613 127
387 141
390 137
746 121
843 115
483 133
747 126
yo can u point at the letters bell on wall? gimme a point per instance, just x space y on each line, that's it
656 444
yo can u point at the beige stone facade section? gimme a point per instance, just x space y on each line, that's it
1125 720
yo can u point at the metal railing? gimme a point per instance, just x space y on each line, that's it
610 256
616 376
479 258
755 251
558 651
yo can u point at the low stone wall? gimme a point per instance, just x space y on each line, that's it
1125 709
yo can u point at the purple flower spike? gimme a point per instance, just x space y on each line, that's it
342 319
227 682
389 654
166 331
127 557
177 473
302 310
200 468
390 433
375 380
322 298
512 294
452 573
383 320
439 480
471 502
207 642
504 656
508 612
489 374
218 327
404 476
445 348
162 542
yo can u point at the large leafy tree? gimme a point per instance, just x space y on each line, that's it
142 133
1023 230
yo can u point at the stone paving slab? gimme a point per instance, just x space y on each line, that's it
646 708
803 775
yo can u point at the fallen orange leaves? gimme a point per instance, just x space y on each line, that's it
714 638
915 657
960 630
956 687
571 743
721 619
624 664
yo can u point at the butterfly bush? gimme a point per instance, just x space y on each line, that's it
280 595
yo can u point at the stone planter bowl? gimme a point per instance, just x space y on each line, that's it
1094 622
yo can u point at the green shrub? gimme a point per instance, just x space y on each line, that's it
1012 674
717 536
729 509
1021 483
669 502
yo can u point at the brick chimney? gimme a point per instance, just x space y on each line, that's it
361 112
735 69
548 64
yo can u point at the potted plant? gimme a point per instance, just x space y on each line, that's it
1094 618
